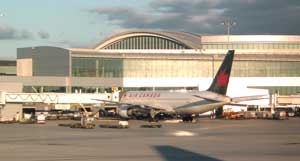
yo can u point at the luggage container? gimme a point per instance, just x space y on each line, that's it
280 115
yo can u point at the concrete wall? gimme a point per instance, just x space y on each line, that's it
50 61
96 82
43 61
24 53
24 67
8 111
64 81
24 61
36 81
11 86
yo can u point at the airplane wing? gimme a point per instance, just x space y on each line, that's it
204 98
237 104
218 98
249 98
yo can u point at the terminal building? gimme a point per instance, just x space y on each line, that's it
163 60
7 67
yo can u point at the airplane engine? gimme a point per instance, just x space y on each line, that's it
126 111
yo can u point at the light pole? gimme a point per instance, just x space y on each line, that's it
228 23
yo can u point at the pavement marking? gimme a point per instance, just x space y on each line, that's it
183 133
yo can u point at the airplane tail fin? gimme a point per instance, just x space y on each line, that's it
221 80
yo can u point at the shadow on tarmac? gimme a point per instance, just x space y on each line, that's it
170 153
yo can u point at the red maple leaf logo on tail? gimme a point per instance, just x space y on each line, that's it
222 79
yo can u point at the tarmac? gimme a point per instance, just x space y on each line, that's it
207 140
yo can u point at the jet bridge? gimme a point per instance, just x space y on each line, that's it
288 99
57 98
12 102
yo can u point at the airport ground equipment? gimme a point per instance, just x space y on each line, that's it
250 114
264 115
60 115
297 111
88 125
172 121
65 125
121 125
280 115
124 124
28 119
83 107
113 126
233 115
151 126
41 118
87 119
78 125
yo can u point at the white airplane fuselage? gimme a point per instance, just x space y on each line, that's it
176 102
141 102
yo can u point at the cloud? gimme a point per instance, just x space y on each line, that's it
7 33
124 16
205 16
43 35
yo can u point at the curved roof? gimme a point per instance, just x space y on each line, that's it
190 40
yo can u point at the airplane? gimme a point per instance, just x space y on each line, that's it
133 104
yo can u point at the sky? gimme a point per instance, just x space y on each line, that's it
85 23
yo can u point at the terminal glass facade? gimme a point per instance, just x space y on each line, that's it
97 67
151 68
7 70
146 42
154 68
266 69
7 67
252 45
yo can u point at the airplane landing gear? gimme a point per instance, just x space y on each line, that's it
187 118
152 115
